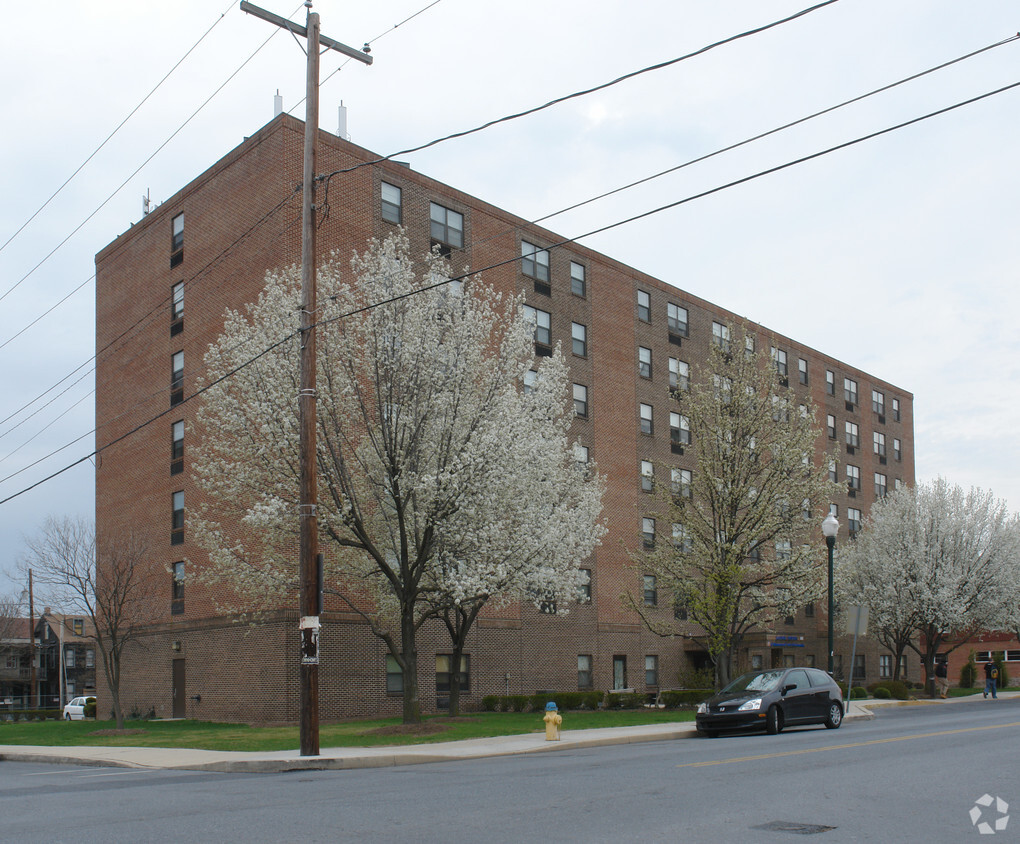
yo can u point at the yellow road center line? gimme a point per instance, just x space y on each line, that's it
845 746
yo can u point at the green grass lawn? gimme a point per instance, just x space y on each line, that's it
206 735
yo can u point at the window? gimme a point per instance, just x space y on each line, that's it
176 378
651 670
581 454
830 425
850 391
535 262
809 610
543 325
679 429
879 443
896 409
584 675
177 309
176 240
645 415
681 539
177 589
647 476
830 382
78 626
447 227
780 409
885 666
530 379
648 532
897 449
69 658
578 279
897 483
903 666
644 306
177 447
676 319
650 594
581 401
878 402
853 521
779 359
749 346
394 677
853 438
391 203
644 366
90 658
881 485
680 482
784 550
859 668
679 374
721 336
443 675
832 471
756 662
853 476
579 338
584 586
805 509
177 519
802 370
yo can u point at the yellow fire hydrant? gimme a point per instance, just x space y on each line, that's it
552 719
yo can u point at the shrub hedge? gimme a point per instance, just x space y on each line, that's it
537 702
896 689
684 697
34 714
882 693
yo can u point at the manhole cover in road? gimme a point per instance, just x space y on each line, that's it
794 827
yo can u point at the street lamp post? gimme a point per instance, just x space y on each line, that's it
830 527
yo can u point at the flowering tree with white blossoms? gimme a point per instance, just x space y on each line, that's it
740 553
442 484
934 559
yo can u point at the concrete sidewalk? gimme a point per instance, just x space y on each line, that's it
340 758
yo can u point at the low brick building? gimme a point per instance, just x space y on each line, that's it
162 289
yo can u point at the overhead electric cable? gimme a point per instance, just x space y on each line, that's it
119 126
158 149
586 91
516 259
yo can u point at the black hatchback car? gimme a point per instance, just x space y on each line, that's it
771 700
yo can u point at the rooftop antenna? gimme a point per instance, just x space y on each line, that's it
277 104
146 203
342 130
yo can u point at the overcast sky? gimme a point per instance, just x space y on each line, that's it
897 255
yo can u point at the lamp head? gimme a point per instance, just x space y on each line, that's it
830 526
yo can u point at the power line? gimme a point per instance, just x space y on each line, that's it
586 91
119 126
564 242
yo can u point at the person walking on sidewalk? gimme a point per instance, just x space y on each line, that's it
991 679
941 679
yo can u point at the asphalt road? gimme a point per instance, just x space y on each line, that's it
912 774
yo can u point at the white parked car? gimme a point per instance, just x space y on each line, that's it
75 709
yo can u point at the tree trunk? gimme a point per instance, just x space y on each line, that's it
111 668
409 667
455 658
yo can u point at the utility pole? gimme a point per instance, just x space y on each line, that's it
31 641
309 530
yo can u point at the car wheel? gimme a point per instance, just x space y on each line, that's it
773 720
835 716
67 716
708 733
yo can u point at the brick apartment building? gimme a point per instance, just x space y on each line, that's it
162 289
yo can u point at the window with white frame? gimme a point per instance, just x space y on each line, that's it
676 319
581 401
878 439
584 673
679 374
897 449
391 202
176 304
645 419
644 356
394 677
90 658
679 429
878 402
578 279
749 346
650 593
680 482
584 586
176 240
832 471
881 485
830 382
648 532
177 518
444 663
534 261
446 225
830 425
853 521
651 670
542 320
647 476
721 336
644 306
896 409
850 391
784 550
581 454
530 380
885 666
802 370
853 476
579 339
779 359
681 539
69 658
853 438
